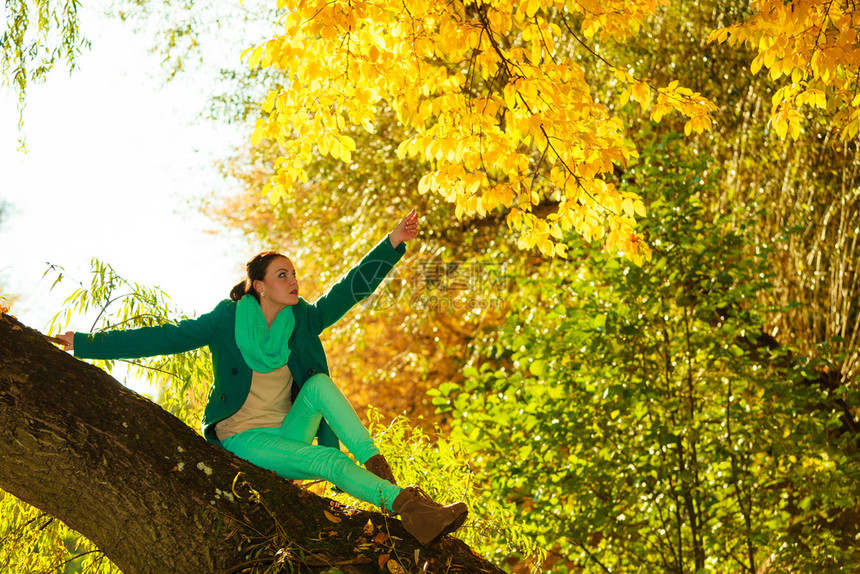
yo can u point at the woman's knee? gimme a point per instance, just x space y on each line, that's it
330 463
319 383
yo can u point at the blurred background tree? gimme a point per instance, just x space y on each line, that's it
644 418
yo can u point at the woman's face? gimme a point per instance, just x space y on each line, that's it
280 284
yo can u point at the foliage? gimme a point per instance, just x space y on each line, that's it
803 193
32 541
499 109
36 36
809 188
643 419
813 45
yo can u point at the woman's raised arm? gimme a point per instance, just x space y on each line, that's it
405 230
364 278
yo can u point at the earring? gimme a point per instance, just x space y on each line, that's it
262 294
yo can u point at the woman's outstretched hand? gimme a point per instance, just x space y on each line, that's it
67 340
405 230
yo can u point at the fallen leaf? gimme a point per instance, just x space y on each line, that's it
381 538
383 558
331 516
368 528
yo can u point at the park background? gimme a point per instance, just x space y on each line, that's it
690 409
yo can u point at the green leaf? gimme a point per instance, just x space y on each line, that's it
538 368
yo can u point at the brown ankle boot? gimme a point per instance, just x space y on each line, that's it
379 466
425 519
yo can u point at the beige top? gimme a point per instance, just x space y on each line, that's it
267 404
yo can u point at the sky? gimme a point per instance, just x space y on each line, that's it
116 161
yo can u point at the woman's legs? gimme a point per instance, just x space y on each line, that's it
422 517
293 459
288 450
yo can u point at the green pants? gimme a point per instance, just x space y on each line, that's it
287 450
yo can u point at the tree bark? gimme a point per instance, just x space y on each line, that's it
154 496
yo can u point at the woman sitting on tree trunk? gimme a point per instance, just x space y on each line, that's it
272 392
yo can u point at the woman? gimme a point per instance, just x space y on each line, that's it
272 392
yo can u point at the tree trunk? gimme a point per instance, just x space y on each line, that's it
154 496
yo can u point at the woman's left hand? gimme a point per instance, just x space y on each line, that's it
407 229
67 340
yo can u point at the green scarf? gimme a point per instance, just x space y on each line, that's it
264 349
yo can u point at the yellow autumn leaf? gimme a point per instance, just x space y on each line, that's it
719 35
245 51
794 125
259 132
641 93
424 184
347 142
628 207
851 130
331 517
781 126
756 64
335 149
324 144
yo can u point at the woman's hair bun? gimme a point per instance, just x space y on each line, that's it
255 270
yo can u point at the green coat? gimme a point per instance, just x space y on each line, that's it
216 329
